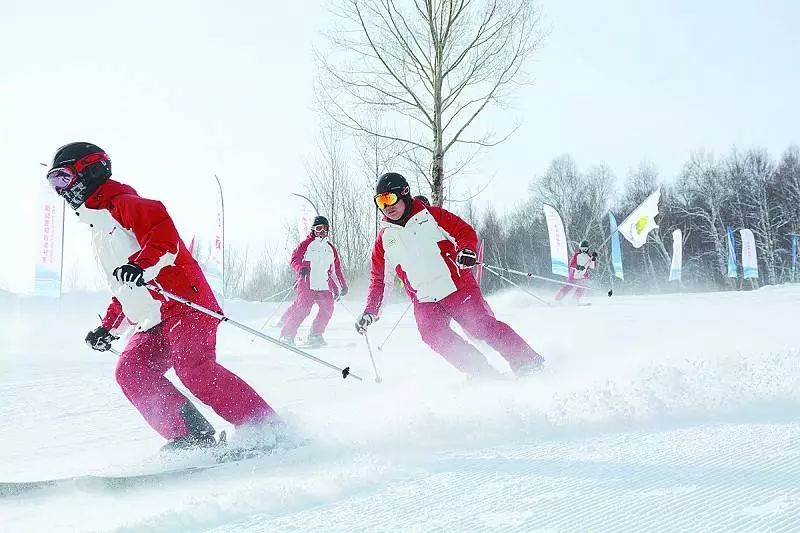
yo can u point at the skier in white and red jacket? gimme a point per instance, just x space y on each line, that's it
136 243
432 251
581 264
319 280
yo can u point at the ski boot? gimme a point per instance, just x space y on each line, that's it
534 367
287 340
258 439
201 432
315 341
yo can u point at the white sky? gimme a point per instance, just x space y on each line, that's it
178 91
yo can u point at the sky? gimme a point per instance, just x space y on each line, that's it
177 92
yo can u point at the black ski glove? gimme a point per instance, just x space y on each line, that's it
343 292
129 273
580 267
305 271
466 258
100 339
594 256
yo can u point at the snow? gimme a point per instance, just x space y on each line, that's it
659 413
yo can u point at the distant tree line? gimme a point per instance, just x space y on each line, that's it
744 189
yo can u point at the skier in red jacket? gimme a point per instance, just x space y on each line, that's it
432 251
137 244
319 280
581 264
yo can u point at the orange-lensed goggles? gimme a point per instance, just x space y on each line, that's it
386 199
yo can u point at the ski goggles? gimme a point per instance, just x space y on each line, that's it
386 199
60 178
320 228
65 175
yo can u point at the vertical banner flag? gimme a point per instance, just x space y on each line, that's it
479 269
749 258
732 268
616 250
48 268
215 267
305 219
794 255
558 241
641 221
677 256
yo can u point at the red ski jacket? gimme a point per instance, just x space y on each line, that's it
322 259
422 253
129 228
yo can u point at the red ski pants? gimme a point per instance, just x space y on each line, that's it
470 310
578 291
187 343
301 308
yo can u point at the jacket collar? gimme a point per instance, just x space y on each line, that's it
102 197
416 207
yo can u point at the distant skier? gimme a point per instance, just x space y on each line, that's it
319 280
580 266
136 243
432 251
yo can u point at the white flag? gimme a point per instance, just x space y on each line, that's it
558 241
677 255
749 258
47 273
642 221
215 266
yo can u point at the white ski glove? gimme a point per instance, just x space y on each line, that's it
364 322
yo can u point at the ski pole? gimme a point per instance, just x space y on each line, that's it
381 345
346 308
272 314
287 289
372 358
532 275
523 289
344 371
369 348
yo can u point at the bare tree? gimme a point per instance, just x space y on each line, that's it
267 277
764 212
702 196
582 199
346 202
376 155
430 67
236 266
560 187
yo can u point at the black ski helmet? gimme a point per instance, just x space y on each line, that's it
423 199
90 166
584 246
396 183
319 219
393 182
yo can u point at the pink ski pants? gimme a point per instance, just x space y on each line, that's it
472 312
186 342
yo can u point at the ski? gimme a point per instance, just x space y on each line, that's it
93 482
334 346
226 456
